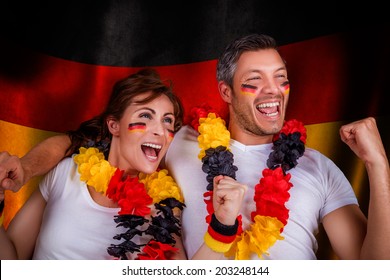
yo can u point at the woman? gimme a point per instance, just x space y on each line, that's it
109 203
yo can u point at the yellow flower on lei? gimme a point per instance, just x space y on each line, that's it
160 186
94 170
97 173
263 234
213 133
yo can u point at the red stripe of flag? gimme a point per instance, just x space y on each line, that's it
248 89
53 94
137 127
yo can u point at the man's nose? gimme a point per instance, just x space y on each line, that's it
270 87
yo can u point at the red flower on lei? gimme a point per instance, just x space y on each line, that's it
271 194
130 194
291 126
157 251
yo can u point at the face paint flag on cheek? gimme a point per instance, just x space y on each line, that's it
248 89
137 127
171 134
286 87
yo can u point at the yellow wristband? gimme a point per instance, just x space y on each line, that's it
216 245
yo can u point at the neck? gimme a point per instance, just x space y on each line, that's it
248 138
116 161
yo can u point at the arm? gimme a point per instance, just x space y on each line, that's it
15 172
228 196
227 199
367 239
364 140
18 242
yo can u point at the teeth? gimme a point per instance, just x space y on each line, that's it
154 146
268 105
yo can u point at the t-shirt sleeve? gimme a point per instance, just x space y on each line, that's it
55 177
339 191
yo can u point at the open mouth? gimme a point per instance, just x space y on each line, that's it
269 109
151 150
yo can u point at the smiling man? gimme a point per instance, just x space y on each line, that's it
252 80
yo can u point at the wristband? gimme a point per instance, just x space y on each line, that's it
216 245
220 237
221 228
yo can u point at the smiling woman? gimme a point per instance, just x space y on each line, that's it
113 182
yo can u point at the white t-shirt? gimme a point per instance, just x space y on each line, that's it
74 226
319 187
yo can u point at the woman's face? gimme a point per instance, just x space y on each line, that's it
142 137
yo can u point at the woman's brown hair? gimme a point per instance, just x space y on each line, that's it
94 132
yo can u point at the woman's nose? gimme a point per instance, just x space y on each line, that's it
158 129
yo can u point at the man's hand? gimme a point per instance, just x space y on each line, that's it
364 140
228 195
12 175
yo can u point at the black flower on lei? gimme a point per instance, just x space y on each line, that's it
161 228
286 151
218 161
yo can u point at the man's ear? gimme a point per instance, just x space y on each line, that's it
225 91
113 126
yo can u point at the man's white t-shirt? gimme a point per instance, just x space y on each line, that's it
319 187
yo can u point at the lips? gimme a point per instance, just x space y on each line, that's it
151 150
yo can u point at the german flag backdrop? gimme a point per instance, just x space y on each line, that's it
59 61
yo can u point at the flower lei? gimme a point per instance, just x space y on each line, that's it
272 191
134 195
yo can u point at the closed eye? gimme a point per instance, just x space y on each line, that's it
254 78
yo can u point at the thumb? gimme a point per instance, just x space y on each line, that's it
217 179
8 184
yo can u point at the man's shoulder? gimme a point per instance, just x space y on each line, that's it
315 157
187 133
313 152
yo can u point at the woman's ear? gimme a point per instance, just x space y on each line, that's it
225 92
113 126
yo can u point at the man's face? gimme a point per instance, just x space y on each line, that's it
260 93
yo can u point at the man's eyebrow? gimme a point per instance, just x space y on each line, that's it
259 71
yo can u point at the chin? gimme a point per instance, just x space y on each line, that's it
273 128
148 170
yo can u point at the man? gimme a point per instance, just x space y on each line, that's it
252 80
